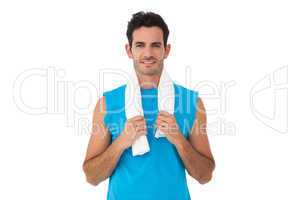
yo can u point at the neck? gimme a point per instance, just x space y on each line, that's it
148 81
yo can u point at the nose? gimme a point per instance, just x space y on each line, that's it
147 53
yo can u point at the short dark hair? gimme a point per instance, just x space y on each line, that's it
147 19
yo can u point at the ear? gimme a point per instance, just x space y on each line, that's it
128 51
167 50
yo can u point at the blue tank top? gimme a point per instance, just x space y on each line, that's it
159 174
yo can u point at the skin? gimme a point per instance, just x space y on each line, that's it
148 53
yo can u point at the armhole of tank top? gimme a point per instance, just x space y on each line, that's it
106 116
195 95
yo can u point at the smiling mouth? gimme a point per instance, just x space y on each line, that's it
148 62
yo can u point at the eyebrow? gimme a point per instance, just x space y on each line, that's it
153 43
139 42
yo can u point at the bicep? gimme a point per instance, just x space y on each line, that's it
100 136
198 136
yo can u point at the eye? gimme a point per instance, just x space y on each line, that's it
138 45
156 45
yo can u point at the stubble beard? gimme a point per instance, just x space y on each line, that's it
154 70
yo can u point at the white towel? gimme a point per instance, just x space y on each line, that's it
133 105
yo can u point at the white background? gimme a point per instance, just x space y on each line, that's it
250 45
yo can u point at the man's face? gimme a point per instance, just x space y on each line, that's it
148 51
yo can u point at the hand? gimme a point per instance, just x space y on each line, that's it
134 128
168 125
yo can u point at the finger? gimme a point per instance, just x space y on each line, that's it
136 118
140 127
161 123
162 128
141 132
140 120
164 119
140 123
129 126
164 113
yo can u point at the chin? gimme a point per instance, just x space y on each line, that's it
148 71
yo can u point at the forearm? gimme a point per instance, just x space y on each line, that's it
197 165
101 167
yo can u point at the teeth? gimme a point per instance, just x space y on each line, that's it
148 62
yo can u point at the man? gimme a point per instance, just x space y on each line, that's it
160 173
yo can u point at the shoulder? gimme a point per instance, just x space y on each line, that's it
116 90
99 110
101 105
200 110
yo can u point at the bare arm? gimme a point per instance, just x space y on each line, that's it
102 158
195 153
